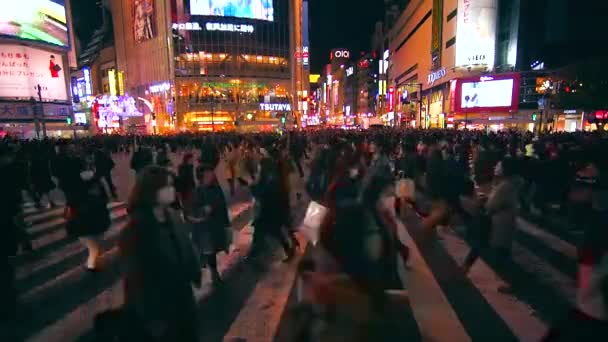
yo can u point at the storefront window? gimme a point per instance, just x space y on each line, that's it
231 92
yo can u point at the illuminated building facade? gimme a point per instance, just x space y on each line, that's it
452 63
212 65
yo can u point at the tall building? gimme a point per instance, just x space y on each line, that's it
211 65
34 69
452 63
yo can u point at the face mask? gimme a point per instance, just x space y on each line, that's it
498 170
353 172
87 175
166 195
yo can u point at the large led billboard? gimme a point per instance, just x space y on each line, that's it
494 93
37 20
249 9
476 33
23 69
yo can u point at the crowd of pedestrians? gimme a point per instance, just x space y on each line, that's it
179 214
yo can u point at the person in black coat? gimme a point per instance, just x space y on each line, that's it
210 217
185 183
271 213
89 216
141 158
9 237
160 264
67 168
40 173
103 168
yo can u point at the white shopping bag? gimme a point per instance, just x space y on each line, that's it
312 221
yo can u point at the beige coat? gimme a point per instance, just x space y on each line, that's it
502 206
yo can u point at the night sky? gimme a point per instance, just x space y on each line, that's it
341 24
333 23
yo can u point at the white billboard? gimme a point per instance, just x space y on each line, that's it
23 69
495 93
476 33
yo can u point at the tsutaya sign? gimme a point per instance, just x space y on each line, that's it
285 107
435 75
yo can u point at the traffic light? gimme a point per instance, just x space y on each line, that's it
534 116
69 121
282 119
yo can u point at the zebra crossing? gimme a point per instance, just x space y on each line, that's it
514 302
58 299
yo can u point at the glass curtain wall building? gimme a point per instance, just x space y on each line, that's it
231 64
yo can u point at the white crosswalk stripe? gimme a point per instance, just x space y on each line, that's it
525 315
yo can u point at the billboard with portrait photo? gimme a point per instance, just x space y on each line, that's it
488 93
249 9
23 68
35 20
144 20
476 33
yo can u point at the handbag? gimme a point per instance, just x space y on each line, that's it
311 225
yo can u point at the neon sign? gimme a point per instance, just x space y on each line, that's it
87 81
187 26
229 27
350 71
275 106
340 54
158 88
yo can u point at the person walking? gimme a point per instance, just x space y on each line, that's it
270 215
103 169
211 223
9 240
502 207
89 216
160 264
41 177
184 183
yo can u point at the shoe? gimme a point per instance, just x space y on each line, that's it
90 270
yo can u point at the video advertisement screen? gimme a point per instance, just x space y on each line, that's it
37 20
249 9
488 93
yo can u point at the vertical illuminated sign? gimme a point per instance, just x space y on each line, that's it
87 81
391 98
436 35
112 81
476 33
121 83
305 54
